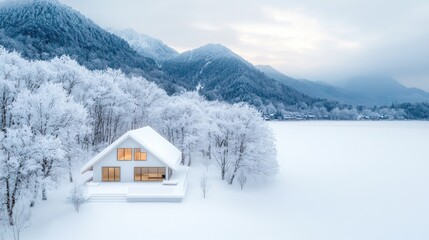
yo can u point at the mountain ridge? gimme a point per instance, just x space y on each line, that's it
224 75
368 90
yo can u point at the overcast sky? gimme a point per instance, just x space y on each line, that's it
312 39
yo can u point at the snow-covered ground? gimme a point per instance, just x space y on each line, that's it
338 180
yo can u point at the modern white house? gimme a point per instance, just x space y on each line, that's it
141 165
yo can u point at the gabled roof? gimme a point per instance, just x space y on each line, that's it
148 138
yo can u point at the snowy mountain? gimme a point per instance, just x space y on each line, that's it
43 29
383 90
221 74
210 52
146 45
370 90
314 89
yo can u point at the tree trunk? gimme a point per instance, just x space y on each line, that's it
9 205
44 196
183 159
10 215
10 200
230 181
190 160
238 162
4 112
223 171
70 176
33 201
232 178
35 194
209 151
70 170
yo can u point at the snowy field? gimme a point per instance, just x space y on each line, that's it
337 181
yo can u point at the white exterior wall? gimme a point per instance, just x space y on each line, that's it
127 167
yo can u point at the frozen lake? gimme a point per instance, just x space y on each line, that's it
354 180
337 181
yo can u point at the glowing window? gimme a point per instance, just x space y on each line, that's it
139 155
125 154
111 174
149 174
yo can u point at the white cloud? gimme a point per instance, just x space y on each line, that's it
206 26
311 39
293 41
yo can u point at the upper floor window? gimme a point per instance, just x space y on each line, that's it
125 154
139 155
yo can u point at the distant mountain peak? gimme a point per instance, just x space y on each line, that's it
146 45
209 54
215 48
211 51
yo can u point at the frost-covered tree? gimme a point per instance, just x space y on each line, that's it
56 120
253 148
241 141
77 197
242 179
220 133
19 167
21 219
345 113
143 96
68 72
204 185
181 120
11 73
108 105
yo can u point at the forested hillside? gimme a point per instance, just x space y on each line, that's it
220 74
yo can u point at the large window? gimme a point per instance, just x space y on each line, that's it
111 174
139 155
125 154
149 174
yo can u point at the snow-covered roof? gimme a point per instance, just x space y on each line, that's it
148 138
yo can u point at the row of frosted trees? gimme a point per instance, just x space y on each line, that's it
56 113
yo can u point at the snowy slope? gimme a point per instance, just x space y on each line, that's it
146 45
327 189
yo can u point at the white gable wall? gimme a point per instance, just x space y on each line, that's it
127 167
